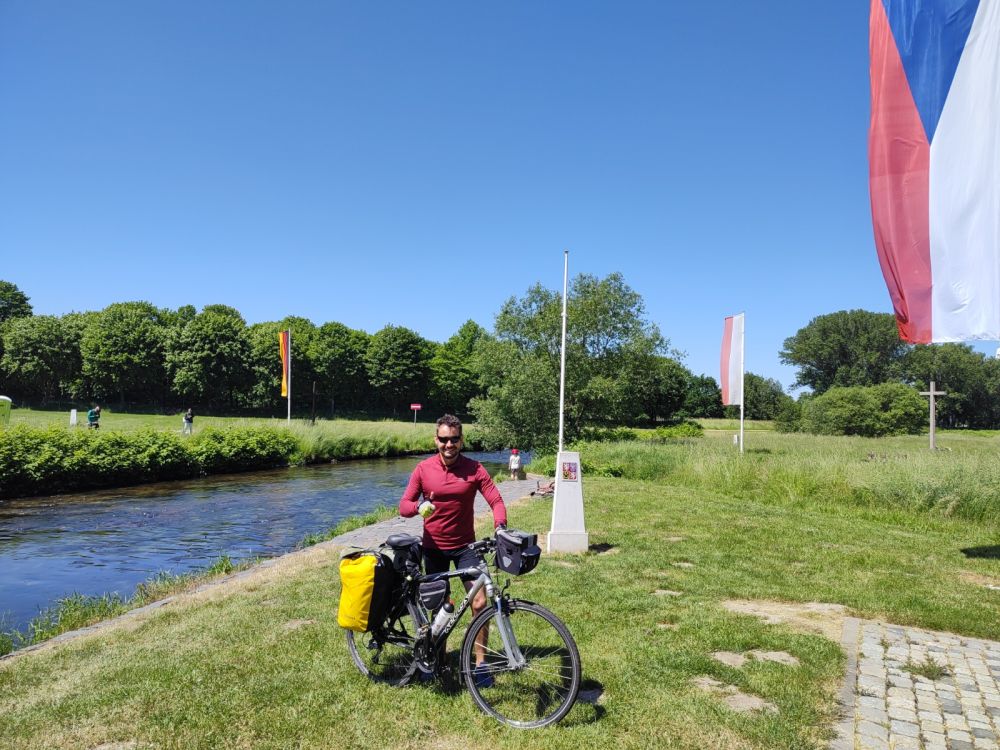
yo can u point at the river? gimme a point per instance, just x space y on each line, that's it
112 540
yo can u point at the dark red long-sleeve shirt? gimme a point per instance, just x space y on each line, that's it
454 488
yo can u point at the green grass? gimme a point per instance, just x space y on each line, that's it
78 611
381 513
882 475
267 667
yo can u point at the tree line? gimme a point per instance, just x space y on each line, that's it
620 368
858 349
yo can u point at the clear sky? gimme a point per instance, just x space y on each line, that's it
418 163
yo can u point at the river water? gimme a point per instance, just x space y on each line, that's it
112 540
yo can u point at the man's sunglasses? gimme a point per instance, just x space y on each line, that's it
452 440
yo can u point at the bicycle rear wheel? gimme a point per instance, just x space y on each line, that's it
386 654
542 691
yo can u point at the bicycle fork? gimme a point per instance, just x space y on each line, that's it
515 659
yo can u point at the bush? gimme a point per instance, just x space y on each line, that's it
789 417
608 434
219 451
685 429
868 411
49 460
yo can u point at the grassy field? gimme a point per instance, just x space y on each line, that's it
962 478
126 422
266 666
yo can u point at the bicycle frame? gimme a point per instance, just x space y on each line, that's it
515 659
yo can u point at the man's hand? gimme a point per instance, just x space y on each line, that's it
426 509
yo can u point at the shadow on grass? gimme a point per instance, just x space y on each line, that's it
989 553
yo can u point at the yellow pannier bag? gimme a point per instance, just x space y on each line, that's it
366 582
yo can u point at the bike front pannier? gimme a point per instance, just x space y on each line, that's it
517 551
366 583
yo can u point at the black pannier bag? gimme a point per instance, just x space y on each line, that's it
433 594
517 551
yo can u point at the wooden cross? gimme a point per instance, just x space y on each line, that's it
932 393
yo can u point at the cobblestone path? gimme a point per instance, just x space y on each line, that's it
909 689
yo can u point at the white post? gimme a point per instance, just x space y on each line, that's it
568 532
562 364
289 375
743 378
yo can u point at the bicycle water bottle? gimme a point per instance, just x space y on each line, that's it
441 618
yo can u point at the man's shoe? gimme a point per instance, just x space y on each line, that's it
482 677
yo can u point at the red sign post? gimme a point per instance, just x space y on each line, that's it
416 408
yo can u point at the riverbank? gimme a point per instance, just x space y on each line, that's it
260 662
54 459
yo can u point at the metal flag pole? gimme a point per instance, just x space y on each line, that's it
742 376
562 363
289 374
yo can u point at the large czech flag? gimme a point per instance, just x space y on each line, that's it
934 163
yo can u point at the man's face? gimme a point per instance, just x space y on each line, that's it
449 443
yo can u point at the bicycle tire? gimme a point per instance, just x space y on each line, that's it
542 692
386 654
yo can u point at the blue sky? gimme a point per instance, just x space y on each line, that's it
420 163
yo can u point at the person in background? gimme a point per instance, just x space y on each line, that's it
94 418
188 422
442 489
514 464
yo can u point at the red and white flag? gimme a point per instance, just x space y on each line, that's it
732 361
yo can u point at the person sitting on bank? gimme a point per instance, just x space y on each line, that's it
94 418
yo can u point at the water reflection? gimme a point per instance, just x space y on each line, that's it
110 541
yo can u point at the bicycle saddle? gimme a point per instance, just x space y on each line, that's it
402 540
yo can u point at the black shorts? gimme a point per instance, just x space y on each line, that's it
440 560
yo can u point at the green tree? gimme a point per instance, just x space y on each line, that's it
41 356
208 358
398 364
850 347
265 364
123 352
964 374
764 398
609 345
661 385
338 354
703 397
13 302
454 377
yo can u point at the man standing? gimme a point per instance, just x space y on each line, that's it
442 489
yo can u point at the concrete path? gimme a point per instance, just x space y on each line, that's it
913 689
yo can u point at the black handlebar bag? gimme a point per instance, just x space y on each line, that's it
517 551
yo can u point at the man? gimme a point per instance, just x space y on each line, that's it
94 418
442 489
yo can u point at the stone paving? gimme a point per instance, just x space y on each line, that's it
912 689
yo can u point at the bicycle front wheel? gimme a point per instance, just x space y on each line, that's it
539 693
386 654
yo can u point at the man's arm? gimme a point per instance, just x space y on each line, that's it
493 497
411 496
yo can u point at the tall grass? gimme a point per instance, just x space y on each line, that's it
883 474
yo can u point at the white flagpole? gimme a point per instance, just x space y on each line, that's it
562 364
289 375
743 328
